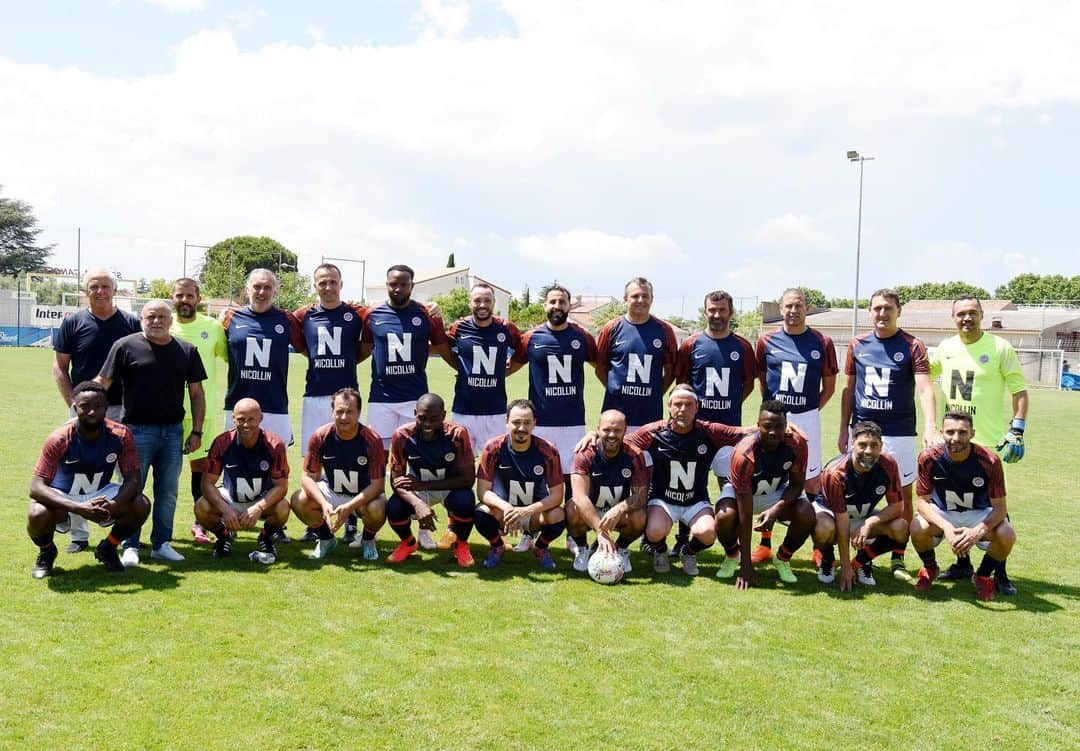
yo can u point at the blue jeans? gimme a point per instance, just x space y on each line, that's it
160 447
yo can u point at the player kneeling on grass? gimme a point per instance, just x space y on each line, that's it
852 486
431 462
520 487
961 498
254 473
768 471
73 476
608 485
344 474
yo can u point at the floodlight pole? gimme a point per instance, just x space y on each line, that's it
363 271
855 156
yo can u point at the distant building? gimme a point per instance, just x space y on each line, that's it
582 308
427 284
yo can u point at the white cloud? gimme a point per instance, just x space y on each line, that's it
461 242
177 6
441 19
987 267
316 32
792 231
598 250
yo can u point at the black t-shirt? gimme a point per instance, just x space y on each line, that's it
154 377
88 339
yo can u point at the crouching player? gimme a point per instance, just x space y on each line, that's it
431 462
608 483
768 471
961 497
852 486
520 487
344 474
74 474
253 471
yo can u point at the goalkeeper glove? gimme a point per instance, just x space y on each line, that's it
1011 446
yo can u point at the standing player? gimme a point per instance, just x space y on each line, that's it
852 486
635 358
73 477
961 491
608 493
884 369
254 474
797 367
206 334
520 486
768 475
344 477
81 345
431 462
680 451
976 369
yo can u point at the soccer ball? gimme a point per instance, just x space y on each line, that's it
605 568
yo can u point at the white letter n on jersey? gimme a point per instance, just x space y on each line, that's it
345 482
248 492
682 476
257 350
792 376
876 380
717 381
84 484
521 493
638 368
483 360
558 368
329 339
399 349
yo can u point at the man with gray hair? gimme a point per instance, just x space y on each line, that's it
81 345
154 367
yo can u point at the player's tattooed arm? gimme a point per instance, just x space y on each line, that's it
637 499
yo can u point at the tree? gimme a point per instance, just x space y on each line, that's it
159 289
454 304
939 291
228 262
525 314
606 313
1035 289
19 251
748 324
295 290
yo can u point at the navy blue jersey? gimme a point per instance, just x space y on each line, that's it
794 365
448 454
611 478
845 490
521 478
884 371
88 339
332 345
247 473
718 370
73 465
636 355
557 372
482 353
400 338
960 486
348 466
755 471
681 461
259 356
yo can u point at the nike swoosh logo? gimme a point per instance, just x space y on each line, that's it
597 474
231 466
71 461
620 342
381 323
241 326
330 457
501 466
848 495
700 355
908 475
413 458
941 478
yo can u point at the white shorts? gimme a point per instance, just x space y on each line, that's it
335 499
386 417
684 514
482 428
761 502
279 425
810 424
854 522
108 491
238 507
905 450
721 463
565 437
318 411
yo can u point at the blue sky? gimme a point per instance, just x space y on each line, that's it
700 144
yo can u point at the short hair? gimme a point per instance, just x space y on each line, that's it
431 400
793 291
403 268
866 427
187 281
262 272
775 406
557 288
520 403
348 393
719 295
481 285
967 297
888 293
98 272
684 388
963 416
156 302
328 267
639 281
91 387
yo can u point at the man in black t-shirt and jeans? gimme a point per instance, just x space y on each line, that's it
153 368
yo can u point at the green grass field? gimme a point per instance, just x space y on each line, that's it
344 654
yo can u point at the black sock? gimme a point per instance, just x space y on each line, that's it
659 547
785 553
732 550
898 550
323 531
695 546
368 535
1001 573
828 554
929 558
963 561
766 539
581 540
122 532
461 527
488 528
44 541
988 565
622 543
351 523
196 485
402 528
268 532
219 530
549 533
683 535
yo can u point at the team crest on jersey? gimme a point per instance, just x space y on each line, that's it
538 470
280 329
984 359
204 334
657 343
575 344
111 458
501 337
899 357
416 321
880 490
701 449
787 465
264 465
734 356
361 460
347 316
626 472
978 482
449 456
815 355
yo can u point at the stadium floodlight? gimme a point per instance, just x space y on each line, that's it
855 156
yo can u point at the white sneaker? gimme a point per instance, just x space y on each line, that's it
865 575
525 545
264 557
130 557
323 548
689 564
165 552
571 545
660 563
425 539
581 558
624 558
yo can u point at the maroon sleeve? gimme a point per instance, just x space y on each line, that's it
829 367
671 345
522 355
214 463
640 472
590 347
56 445
517 342
722 435
361 315
296 339
451 333
398 461
300 314
279 461
642 438
749 359
313 459
741 474
802 451
552 465
486 469
993 466
226 319
832 488
376 454
682 359
582 461
437 334
459 436
924 484
849 359
893 493
920 361
602 346
759 354
129 455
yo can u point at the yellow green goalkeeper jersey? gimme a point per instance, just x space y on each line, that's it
975 377
208 337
